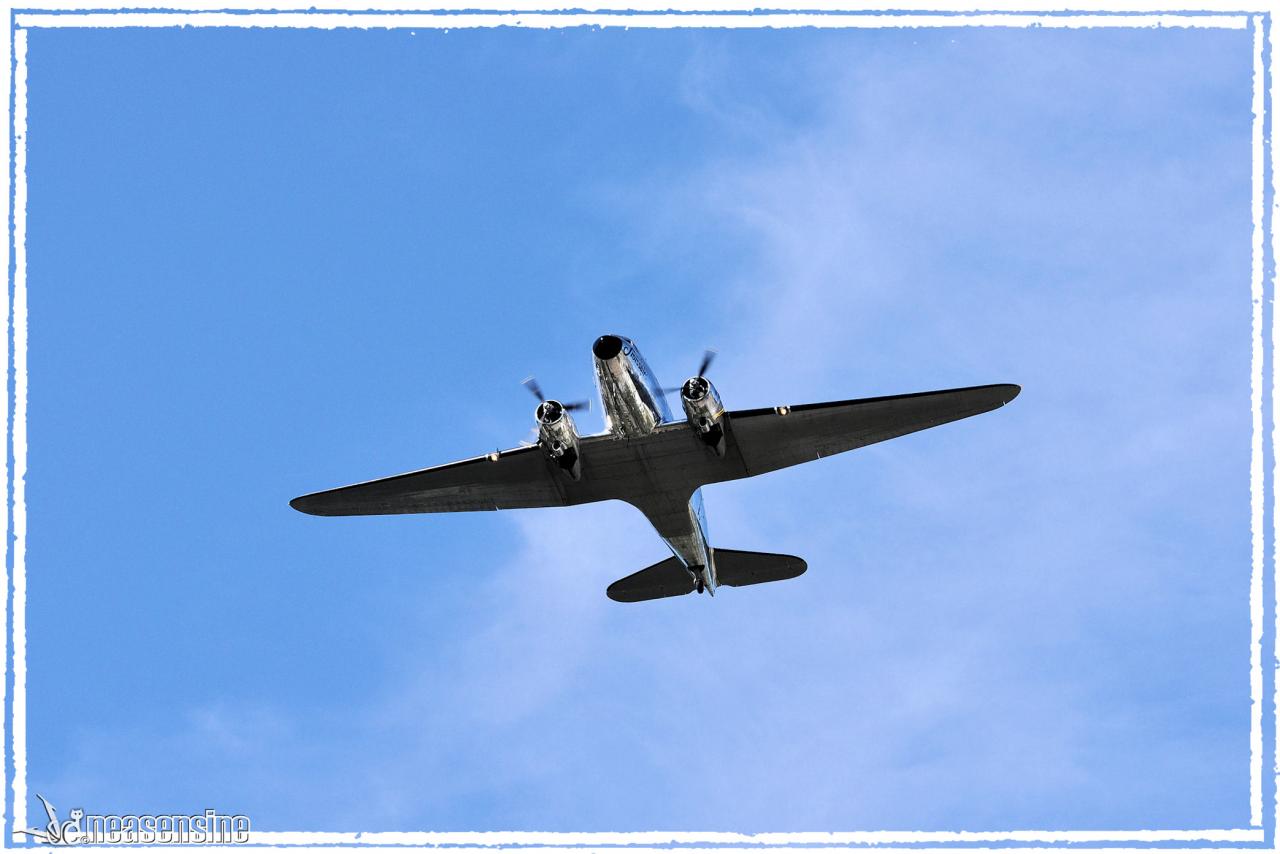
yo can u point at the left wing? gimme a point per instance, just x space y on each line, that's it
632 470
517 478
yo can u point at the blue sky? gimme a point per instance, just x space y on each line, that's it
268 262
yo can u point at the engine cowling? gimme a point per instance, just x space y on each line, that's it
558 436
705 412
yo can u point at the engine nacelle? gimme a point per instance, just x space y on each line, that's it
559 437
705 412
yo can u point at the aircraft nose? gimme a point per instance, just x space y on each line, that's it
606 347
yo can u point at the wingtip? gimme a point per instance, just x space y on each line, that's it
1012 390
300 504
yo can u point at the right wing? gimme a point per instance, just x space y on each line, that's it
768 440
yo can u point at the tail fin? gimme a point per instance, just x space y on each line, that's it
738 569
733 569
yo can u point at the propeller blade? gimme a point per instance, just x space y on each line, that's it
707 358
532 384
675 389
578 405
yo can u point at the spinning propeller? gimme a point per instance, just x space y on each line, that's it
708 356
549 411
536 390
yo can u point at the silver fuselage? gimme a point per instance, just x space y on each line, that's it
635 406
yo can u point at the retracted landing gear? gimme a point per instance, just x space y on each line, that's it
566 456
712 434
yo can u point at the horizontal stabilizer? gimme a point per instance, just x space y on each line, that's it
668 578
733 569
738 569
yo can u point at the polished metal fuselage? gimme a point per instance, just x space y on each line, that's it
633 401
635 406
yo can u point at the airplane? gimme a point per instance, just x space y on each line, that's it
658 463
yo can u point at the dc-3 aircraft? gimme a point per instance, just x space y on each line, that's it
658 464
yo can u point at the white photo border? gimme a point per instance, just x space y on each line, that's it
731 14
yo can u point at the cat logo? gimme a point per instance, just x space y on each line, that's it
58 832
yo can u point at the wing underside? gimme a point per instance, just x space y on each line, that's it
770 439
668 464
517 478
